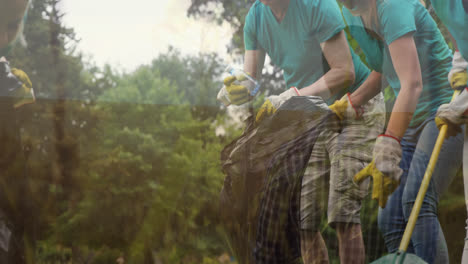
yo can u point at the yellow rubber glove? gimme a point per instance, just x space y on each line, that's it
345 109
459 80
382 186
272 103
384 169
238 94
453 114
24 94
452 129
457 76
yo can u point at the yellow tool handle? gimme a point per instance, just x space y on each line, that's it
424 185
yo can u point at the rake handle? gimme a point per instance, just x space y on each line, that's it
424 185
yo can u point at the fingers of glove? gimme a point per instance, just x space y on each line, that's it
260 115
459 80
237 89
22 76
364 173
452 129
377 184
389 185
238 94
265 110
440 122
383 200
229 80
339 107
239 99
379 192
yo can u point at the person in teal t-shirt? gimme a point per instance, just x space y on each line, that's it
454 15
306 40
402 44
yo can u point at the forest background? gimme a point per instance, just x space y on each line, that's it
126 164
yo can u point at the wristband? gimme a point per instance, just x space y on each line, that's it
389 136
359 110
296 90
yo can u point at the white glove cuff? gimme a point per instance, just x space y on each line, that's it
460 104
387 155
288 94
296 90
387 144
458 64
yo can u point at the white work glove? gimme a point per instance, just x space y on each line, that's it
384 169
452 114
345 109
272 103
458 76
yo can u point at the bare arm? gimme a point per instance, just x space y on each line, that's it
406 62
253 62
370 88
341 73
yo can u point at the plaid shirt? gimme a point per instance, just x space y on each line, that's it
278 231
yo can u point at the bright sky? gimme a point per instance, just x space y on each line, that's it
130 33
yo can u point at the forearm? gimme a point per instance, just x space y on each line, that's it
253 63
368 90
330 83
341 74
403 110
406 63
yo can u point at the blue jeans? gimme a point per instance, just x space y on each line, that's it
427 241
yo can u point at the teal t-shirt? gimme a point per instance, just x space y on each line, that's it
398 18
294 44
454 17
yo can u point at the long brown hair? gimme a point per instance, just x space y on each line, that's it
374 19
371 20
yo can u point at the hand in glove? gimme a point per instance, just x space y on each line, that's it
384 168
24 94
345 109
15 85
272 103
237 92
458 77
453 114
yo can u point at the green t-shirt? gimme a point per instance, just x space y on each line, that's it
294 44
455 18
398 18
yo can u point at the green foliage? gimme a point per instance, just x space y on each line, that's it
147 186
119 163
127 164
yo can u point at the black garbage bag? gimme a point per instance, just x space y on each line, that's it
264 169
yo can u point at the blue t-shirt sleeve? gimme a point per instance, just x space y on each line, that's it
250 36
396 18
326 19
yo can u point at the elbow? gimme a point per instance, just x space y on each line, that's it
414 87
348 77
